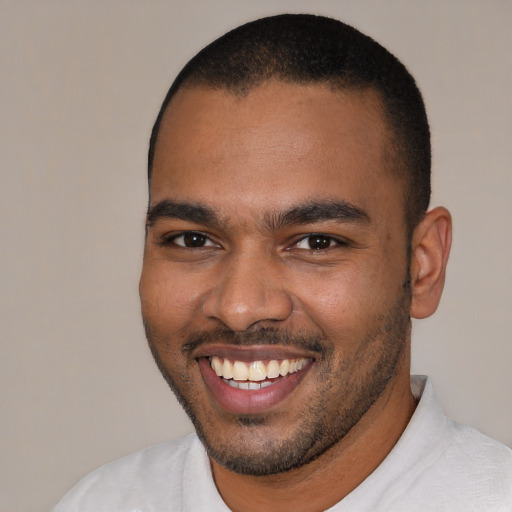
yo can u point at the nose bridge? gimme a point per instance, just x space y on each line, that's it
249 289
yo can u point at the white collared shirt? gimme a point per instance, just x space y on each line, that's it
437 465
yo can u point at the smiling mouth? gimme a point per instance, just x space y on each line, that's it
255 375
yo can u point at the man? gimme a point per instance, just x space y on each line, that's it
288 245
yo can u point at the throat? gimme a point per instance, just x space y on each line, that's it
324 482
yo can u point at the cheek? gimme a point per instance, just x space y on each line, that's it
167 305
342 302
169 300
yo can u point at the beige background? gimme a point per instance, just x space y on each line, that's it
81 83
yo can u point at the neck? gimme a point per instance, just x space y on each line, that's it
324 482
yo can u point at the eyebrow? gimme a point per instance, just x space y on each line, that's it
305 213
317 211
168 209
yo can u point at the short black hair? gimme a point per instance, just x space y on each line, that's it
309 49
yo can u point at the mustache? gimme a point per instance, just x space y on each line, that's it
266 336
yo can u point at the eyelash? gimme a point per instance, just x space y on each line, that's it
206 241
332 242
171 240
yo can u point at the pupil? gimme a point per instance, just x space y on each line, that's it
194 239
319 242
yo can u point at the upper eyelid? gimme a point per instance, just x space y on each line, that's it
339 243
339 239
168 238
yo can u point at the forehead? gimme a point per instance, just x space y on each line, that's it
280 140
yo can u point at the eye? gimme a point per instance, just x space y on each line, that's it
190 239
317 242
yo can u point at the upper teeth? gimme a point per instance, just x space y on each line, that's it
255 370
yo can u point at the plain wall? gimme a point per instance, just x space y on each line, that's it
81 83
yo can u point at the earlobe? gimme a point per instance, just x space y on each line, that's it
431 244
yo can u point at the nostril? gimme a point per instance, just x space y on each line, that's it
244 308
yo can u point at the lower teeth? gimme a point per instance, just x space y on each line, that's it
247 384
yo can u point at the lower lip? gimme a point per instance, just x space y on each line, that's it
247 401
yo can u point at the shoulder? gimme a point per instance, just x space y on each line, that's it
483 461
471 473
457 465
460 465
437 465
148 477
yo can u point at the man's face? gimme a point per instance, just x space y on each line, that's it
276 261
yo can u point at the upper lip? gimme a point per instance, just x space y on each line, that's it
249 353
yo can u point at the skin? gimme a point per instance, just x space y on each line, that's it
347 306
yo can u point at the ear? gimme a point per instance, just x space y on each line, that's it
431 244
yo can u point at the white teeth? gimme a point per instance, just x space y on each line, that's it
240 371
257 371
247 384
241 375
284 367
216 364
273 369
227 369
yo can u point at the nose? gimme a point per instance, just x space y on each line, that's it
249 290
